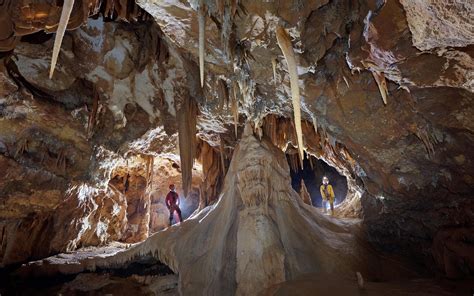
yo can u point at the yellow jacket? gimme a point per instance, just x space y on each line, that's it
330 193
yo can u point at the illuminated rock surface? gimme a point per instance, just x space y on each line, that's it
386 94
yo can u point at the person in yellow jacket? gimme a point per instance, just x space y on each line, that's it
327 193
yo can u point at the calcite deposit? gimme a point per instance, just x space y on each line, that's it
228 100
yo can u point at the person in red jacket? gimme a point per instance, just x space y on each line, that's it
172 203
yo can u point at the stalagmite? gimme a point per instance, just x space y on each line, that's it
65 14
187 141
202 38
304 194
286 47
255 237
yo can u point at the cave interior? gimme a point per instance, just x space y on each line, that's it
244 106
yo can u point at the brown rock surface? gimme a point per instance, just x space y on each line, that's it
435 24
260 223
55 166
304 194
386 98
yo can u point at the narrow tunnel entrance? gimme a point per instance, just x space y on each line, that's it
312 173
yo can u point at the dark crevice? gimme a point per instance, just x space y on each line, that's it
145 265
312 173
13 284
37 38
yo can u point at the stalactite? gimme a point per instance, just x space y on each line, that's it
379 77
21 148
429 140
332 141
315 124
187 118
149 173
93 115
123 9
222 154
293 161
223 93
281 133
235 107
270 126
258 129
213 174
274 64
382 84
345 80
360 280
322 139
286 47
63 21
202 39
61 161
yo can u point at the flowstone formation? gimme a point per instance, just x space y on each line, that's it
260 233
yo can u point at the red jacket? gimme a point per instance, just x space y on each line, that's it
172 199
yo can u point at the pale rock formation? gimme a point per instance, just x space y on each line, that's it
439 24
256 235
408 162
304 194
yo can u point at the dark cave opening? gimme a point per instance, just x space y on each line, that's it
313 171
145 265
39 37
119 278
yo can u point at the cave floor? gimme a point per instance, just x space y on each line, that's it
76 256
74 282
66 275
330 285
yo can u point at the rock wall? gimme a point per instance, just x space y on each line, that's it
389 99
61 139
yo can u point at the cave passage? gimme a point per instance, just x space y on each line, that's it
312 173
